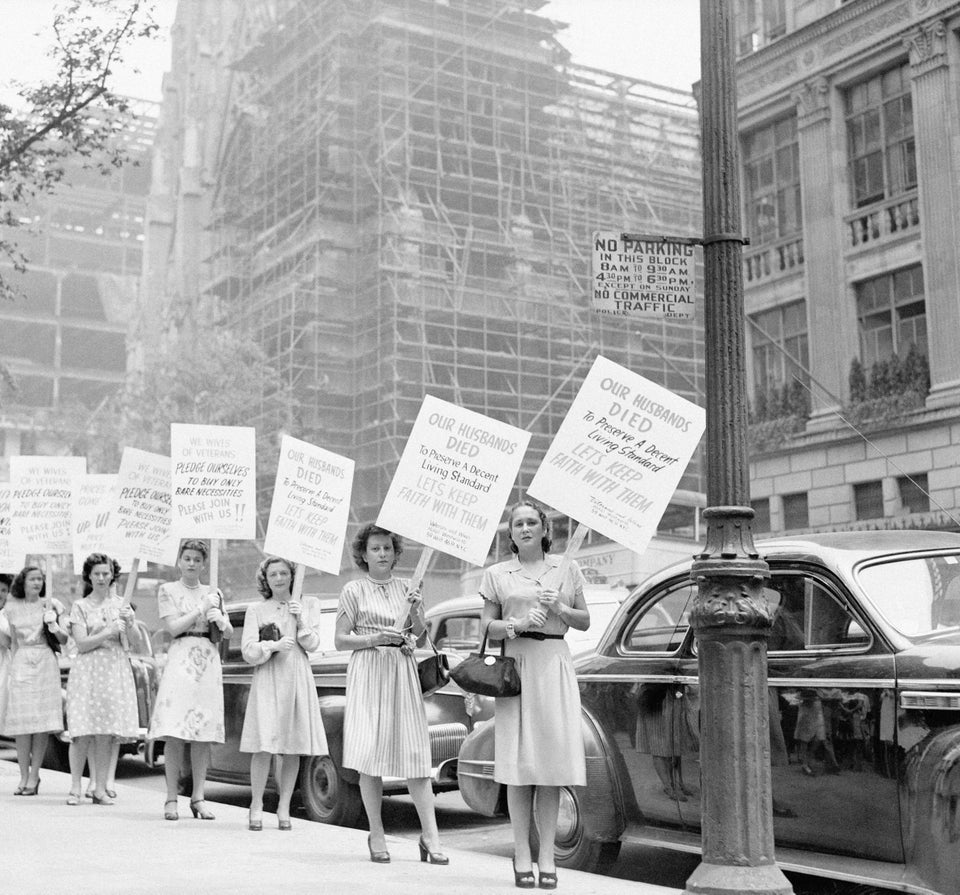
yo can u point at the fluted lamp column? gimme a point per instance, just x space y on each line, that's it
730 617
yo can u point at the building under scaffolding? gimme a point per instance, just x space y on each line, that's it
397 198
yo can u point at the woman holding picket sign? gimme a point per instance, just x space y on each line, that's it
529 603
34 704
385 724
282 716
189 707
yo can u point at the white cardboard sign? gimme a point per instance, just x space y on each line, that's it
10 562
214 481
453 480
94 500
41 502
143 519
619 454
310 507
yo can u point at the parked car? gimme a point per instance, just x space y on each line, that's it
146 677
329 792
866 642
454 624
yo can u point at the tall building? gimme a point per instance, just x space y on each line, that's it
396 197
64 339
848 114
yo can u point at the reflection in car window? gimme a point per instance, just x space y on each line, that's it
932 584
663 622
807 616
458 632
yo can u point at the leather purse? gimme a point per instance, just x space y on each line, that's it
488 675
214 632
270 631
51 638
434 671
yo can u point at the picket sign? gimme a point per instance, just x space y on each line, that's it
128 593
298 581
573 545
414 586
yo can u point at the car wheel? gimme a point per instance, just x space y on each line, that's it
57 757
576 847
326 796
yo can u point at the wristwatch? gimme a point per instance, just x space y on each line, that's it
511 630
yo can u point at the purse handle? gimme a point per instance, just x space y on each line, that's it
483 644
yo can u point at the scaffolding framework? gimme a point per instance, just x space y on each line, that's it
405 196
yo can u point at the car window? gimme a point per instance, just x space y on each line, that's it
662 623
458 632
234 653
807 615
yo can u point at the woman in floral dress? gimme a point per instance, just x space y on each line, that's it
101 693
34 704
283 715
189 706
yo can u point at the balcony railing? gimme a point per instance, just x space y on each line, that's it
883 221
773 260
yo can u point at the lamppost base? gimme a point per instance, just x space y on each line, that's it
728 879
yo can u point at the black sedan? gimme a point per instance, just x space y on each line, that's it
864 709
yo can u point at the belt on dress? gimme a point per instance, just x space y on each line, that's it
537 635
193 634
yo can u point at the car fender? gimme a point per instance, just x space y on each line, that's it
602 798
932 784
332 711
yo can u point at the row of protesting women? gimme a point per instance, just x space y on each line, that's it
526 606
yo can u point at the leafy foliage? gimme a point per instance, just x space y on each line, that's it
72 116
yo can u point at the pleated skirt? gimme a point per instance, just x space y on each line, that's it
385 724
538 738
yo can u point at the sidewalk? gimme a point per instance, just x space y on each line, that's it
47 846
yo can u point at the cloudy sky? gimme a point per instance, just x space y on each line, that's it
654 40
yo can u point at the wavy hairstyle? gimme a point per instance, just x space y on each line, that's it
194 544
16 589
263 585
98 559
546 541
359 544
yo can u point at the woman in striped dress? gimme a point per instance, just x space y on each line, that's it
385 725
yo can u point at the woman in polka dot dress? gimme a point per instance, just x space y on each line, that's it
101 694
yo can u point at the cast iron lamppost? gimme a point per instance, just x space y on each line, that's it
730 616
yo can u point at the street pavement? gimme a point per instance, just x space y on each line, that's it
48 846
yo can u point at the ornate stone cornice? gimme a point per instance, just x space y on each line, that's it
927 46
813 101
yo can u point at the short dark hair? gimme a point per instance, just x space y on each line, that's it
194 544
546 541
262 585
6 579
359 544
16 589
98 559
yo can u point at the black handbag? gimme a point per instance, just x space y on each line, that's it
214 632
270 631
434 671
51 638
488 675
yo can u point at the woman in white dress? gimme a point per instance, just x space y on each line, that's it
34 704
283 715
189 706
101 693
385 725
5 582
538 745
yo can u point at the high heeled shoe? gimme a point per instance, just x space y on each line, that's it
73 798
523 879
102 800
378 857
170 813
31 790
199 809
254 825
19 790
431 857
283 823
548 880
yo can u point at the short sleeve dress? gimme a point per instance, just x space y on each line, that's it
189 702
537 733
101 693
34 701
385 725
282 715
